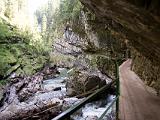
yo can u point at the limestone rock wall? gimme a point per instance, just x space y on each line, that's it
148 70
138 22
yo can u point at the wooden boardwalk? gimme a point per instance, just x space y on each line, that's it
137 102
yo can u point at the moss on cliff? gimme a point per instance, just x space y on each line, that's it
16 53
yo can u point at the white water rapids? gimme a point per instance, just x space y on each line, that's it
92 110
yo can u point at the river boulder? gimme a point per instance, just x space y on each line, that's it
81 83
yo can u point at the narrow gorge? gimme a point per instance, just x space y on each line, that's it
56 54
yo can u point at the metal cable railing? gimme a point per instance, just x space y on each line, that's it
71 110
66 114
111 104
117 94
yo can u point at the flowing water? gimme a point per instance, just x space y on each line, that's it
93 110
90 111
58 82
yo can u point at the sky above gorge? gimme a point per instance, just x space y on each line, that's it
35 4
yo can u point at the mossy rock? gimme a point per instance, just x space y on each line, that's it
6 61
16 50
29 70
3 82
16 54
12 69
4 31
20 72
106 66
11 55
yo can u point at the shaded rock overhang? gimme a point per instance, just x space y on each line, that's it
136 20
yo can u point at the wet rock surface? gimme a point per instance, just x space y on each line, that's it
38 97
83 82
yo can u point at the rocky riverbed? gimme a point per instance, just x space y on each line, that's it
37 98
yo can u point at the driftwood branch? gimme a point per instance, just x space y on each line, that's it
87 93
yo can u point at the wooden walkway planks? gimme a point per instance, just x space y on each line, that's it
136 101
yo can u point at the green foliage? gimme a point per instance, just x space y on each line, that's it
69 10
44 25
11 34
3 82
20 54
21 51
4 31
9 8
6 60
60 58
17 52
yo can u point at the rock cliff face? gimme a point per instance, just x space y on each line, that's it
92 43
136 21
17 56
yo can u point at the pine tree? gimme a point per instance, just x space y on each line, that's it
44 25
8 10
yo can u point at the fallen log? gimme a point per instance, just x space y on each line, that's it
20 89
22 110
24 99
84 94
87 93
14 109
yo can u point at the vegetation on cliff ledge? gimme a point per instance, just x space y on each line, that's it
16 52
